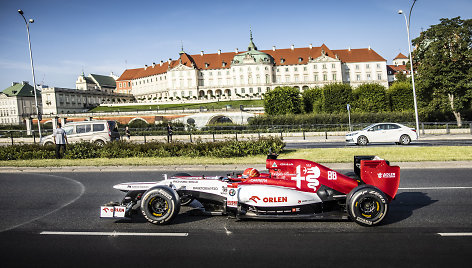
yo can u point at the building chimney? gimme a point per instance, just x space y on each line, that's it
369 47
153 64
170 60
219 51
311 46
201 53
237 50
273 48
145 66
292 47
161 63
349 49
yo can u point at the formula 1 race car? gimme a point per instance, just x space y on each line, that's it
292 189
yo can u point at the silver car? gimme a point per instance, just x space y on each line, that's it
383 132
99 132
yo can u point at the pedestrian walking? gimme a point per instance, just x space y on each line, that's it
60 139
169 133
127 133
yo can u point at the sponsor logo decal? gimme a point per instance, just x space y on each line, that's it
258 180
312 175
206 188
286 164
274 165
231 203
386 175
232 192
254 199
278 199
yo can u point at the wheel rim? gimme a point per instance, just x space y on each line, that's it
158 206
368 207
405 139
362 140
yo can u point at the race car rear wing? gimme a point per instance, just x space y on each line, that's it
376 171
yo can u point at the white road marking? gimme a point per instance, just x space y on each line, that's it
113 234
436 188
82 191
455 234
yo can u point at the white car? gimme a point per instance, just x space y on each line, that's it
383 132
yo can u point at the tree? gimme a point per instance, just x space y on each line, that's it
311 99
401 96
370 98
282 100
443 60
335 97
402 77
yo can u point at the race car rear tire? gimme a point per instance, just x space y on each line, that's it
185 200
367 205
160 205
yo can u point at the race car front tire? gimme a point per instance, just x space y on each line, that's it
367 205
160 205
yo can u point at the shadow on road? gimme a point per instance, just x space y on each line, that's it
404 204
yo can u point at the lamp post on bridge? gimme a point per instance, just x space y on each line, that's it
32 70
407 22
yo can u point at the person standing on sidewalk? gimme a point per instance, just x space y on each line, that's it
60 139
127 133
169 133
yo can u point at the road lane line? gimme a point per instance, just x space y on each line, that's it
113 234
455 234
436 188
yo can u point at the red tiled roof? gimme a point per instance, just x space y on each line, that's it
358 55
400 56
298 55
398 68
291 57
128 74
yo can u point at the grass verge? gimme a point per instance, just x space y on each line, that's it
323 155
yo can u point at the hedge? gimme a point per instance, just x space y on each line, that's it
123 149
332 118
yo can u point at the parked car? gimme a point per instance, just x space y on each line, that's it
383 132
99 132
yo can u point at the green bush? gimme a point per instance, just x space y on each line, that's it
370 98
122 149
401 96
335 97
282 100
312 99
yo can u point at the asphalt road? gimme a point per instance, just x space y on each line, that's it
37 206
341 144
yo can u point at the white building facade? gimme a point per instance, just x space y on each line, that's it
17 103
251 73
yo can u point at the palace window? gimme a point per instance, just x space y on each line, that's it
324 66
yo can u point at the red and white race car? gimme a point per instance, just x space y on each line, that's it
292 189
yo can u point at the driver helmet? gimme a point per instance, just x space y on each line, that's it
251 173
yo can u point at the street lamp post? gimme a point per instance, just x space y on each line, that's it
407 22
32 70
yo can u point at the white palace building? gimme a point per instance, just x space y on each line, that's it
251 73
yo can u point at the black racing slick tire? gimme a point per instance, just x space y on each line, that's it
185 200
160 205
405 139
362 140
367 205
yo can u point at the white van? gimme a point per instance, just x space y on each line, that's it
98 131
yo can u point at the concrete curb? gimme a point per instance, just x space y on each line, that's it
225 168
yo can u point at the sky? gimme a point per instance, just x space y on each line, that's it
69 37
